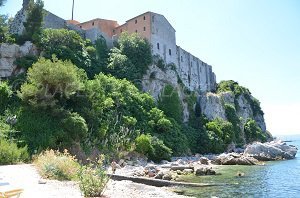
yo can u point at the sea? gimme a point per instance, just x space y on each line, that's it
274 179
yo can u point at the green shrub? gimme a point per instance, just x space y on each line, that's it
66 45
55 165
170 103
131 58
160 150
26 61
143 144
93 179
11 154
34 20
75 127
253 132
51 82
5 95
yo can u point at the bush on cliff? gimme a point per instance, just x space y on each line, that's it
131 58
34 20
51 83
5 96
253 132
170 103
66 45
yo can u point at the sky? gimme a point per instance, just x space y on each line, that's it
254 42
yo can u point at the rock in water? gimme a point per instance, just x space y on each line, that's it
235 159
275 150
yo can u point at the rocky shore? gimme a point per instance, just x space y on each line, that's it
200 165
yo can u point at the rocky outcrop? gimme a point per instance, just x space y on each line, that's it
8 55
235 159
275 150
156 79
204 171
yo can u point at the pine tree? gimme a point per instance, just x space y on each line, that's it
33 24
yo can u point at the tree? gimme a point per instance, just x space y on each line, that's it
34 20
170 103
2 2
5 95
51 82
66 45
131 58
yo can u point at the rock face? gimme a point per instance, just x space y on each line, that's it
275 150
235 159
212 106
156 79
8 55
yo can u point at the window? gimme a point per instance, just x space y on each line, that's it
152 18
144 28
135 21
157 45
113 31
93 23
80 26
181 59
144 17
121 30
170 52
135 31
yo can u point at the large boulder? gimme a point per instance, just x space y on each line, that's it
204 171
8 55
235 159
275 150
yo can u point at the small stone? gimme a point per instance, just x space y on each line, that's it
42 181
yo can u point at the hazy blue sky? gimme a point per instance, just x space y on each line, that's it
254 42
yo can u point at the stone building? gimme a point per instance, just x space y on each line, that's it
194 73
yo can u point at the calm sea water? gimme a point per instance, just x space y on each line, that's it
274 179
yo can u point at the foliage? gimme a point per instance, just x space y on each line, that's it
10 153
66 45
253 132
160 151
143 144
26 61
5 96
131 58
56 165
232 86
170 103
74 126
93 179
39 129
159 62
238 90
220 134
34 20
172 138
5 37
2 2
232 117
51 82
99 56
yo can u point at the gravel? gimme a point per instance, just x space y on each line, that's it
25 176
